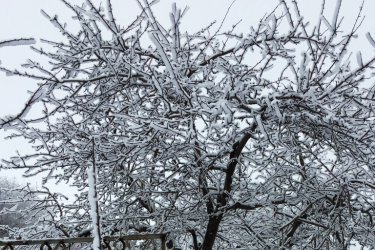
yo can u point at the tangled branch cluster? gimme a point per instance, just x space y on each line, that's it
259 140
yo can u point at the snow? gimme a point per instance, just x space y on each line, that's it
93 207
166 61
260 125
370 39
277 110
331 29
359 59
289 18
336 14
52 20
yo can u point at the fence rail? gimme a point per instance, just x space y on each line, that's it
65 243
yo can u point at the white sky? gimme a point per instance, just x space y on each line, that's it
22 18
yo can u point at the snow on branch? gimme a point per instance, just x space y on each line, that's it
17 42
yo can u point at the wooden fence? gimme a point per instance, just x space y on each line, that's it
110 242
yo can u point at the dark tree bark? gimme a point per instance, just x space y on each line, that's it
214 220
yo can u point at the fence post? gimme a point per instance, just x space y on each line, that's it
163 242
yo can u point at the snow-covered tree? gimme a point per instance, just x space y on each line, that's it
9 210
223 139
20 208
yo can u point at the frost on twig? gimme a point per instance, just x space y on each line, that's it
17 42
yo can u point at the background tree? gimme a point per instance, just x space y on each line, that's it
257 140
24 211
9 215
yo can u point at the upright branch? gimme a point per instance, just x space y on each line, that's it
93 200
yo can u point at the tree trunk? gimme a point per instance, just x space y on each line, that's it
214 221
212 228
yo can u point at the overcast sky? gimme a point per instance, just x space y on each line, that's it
22 18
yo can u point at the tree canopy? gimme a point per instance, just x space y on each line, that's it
223 139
